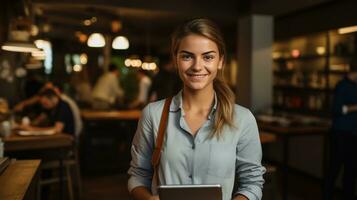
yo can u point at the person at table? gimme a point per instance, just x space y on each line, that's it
143 94
209 139
107 90
60 113
343 138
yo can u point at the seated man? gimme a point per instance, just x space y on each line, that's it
61 113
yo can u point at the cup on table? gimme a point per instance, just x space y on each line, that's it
5 128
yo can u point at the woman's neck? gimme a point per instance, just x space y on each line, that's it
197 100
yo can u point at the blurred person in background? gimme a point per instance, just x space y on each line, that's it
82 88
107 91
166 83
143 93
343 138
60 113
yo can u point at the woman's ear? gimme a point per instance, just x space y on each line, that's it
220 64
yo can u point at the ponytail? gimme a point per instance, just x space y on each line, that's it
224 114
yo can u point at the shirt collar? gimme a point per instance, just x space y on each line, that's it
177 104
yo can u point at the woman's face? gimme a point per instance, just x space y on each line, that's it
198 61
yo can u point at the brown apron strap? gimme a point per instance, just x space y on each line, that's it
155 160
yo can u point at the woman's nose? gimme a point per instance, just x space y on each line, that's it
198 64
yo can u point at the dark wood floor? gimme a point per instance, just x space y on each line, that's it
108 187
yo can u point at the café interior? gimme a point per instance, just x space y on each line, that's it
284 59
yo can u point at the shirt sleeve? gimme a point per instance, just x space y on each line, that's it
141 170
249 154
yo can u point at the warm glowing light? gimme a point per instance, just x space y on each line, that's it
120 42
127 62
136 63
149 66
77 68
96 40
277 55
19 47
346 30
116 26
83 58
87 22
38 53
320 50
295 53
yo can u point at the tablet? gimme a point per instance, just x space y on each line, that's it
190 192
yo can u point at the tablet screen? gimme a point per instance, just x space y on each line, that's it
190 192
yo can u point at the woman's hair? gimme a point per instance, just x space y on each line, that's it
225 103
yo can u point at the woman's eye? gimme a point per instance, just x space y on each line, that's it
208 57
186 57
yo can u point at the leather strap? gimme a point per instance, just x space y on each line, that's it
155 160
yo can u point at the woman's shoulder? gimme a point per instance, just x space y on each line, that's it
153 109
243 114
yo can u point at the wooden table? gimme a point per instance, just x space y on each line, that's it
285 133
19 180
49 147
111 115
24 143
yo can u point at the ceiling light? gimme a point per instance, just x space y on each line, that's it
136 62
77 68
127 62
295 53
19 47
38 54
83 58
34 30
116 26
96 40
346 30
87 22
120 42
320 50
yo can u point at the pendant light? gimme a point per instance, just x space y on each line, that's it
96 40
121 43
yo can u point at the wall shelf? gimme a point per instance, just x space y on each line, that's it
304 82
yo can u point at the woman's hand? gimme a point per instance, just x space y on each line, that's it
240 197
154 198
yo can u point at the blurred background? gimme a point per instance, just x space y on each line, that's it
284 60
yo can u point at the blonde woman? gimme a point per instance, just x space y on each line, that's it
208 139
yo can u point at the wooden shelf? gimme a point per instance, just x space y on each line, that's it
309 66
303 57
302 89
301 110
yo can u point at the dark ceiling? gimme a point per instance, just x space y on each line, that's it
152 21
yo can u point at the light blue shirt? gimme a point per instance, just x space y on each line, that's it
199 159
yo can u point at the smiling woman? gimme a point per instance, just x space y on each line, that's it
198 61
208 139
